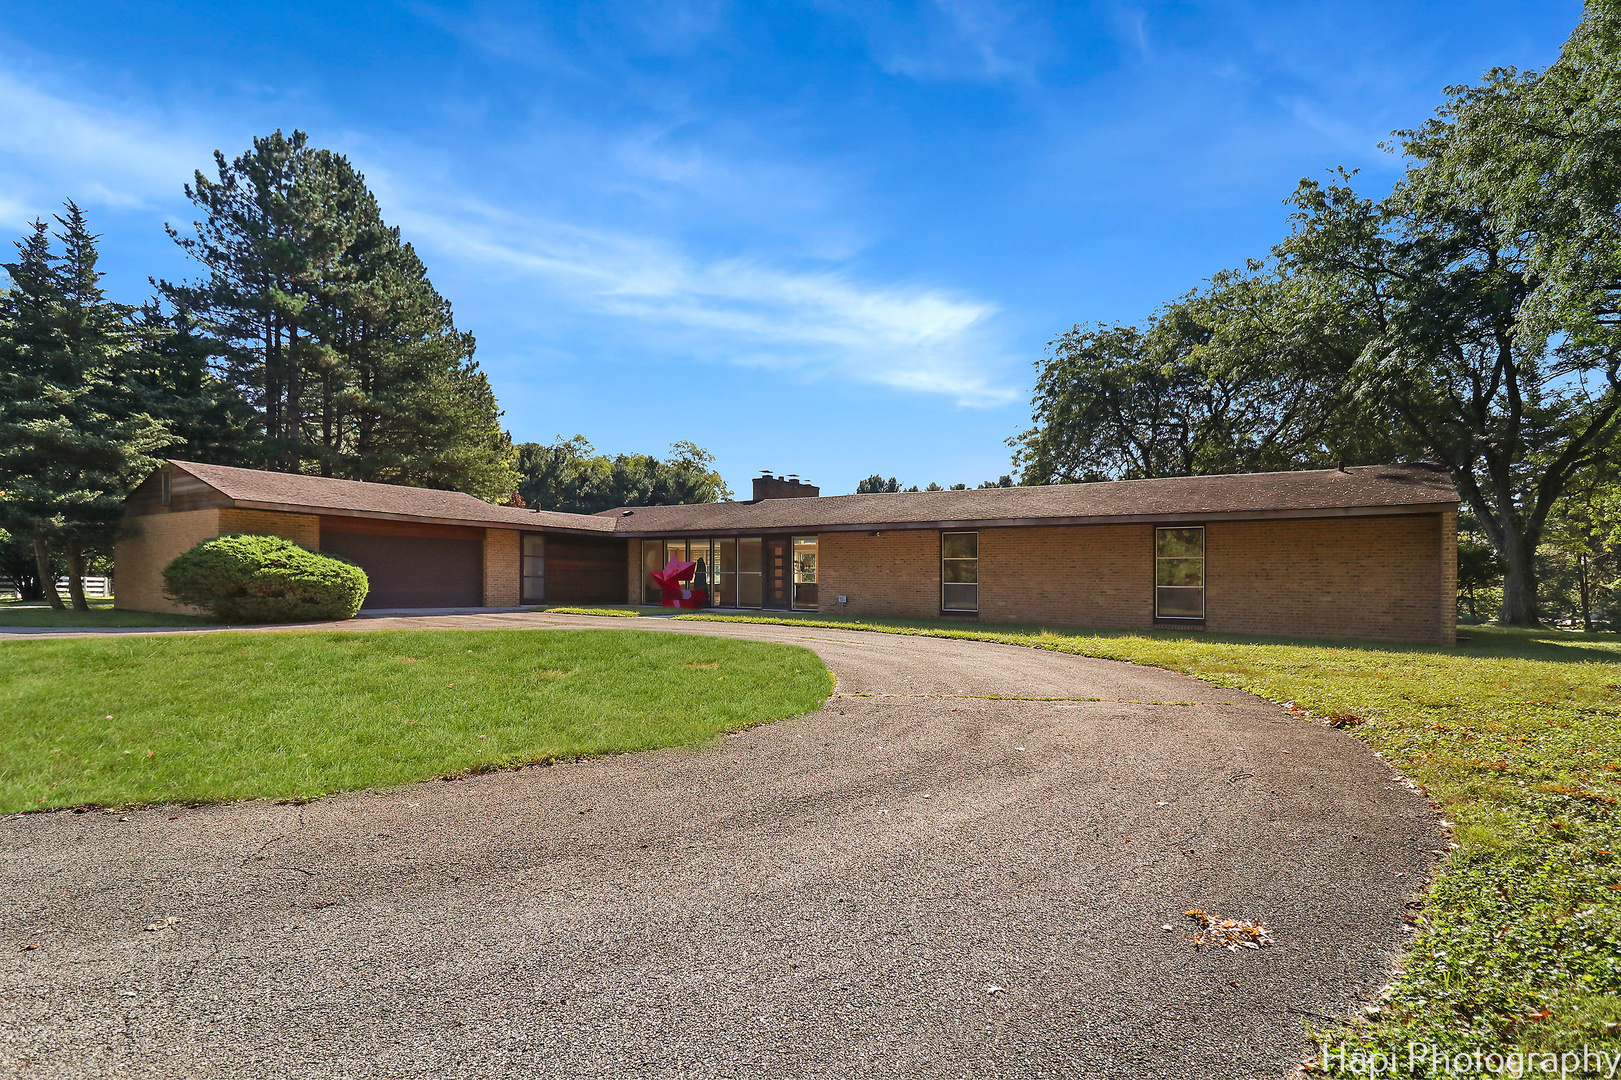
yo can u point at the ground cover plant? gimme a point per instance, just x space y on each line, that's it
606 612
296 715
101 613
1516 736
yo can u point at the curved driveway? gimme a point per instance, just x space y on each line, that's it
833 895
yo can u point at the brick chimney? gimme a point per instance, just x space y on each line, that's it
767 486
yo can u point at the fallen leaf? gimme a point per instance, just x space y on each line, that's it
1232 934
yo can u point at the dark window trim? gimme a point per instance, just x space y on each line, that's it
523 579
958 613
1184 621
793 572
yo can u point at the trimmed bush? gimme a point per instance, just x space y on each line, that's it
265 579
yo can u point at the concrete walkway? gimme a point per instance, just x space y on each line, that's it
916 880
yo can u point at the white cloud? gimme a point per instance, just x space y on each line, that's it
819 323
646 292
992 41
52 149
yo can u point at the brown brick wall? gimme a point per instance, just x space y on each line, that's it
1449 578
302 529
151 541
155 539
895 574
502 570
1377 578
1095 575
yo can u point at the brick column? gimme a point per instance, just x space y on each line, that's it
502 568
1449 578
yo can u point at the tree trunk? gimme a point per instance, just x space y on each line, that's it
1584 591
75 555
47 575
1519 583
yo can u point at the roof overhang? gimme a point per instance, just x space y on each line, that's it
372 515
1409 509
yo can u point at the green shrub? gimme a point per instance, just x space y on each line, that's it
263 579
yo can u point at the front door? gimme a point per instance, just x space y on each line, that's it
779 578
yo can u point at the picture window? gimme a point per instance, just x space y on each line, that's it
1179 573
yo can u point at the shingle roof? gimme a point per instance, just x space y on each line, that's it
288 491
1363 488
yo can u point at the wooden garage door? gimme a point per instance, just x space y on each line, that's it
414 571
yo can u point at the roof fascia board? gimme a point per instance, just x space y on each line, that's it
1114 519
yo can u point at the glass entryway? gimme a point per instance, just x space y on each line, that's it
805 573
741 571
534 569
731 568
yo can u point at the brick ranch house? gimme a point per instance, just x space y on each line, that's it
1367 552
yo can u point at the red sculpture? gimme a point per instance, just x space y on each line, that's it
670 583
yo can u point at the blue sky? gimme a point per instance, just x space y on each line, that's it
824 238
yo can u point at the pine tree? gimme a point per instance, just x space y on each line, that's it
73 440
176 383
327 325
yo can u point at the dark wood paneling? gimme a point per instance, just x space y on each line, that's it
414 571
186 492
581 570
778 572
381 527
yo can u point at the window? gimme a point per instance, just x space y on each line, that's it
959 571
1179 573
750 580
164 483
652 561
534 568
805 572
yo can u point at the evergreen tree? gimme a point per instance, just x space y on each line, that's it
326 324
177 384
73 440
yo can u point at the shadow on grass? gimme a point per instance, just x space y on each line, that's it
37 613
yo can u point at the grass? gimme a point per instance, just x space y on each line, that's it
607 612
295 715
101 613
1516 736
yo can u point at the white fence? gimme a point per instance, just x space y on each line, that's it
95 587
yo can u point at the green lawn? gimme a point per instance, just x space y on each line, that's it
1517 736
295 715
101 613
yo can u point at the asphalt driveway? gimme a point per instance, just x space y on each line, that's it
913 881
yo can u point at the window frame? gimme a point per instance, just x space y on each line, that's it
1204 582
524 577
944 559
795 543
